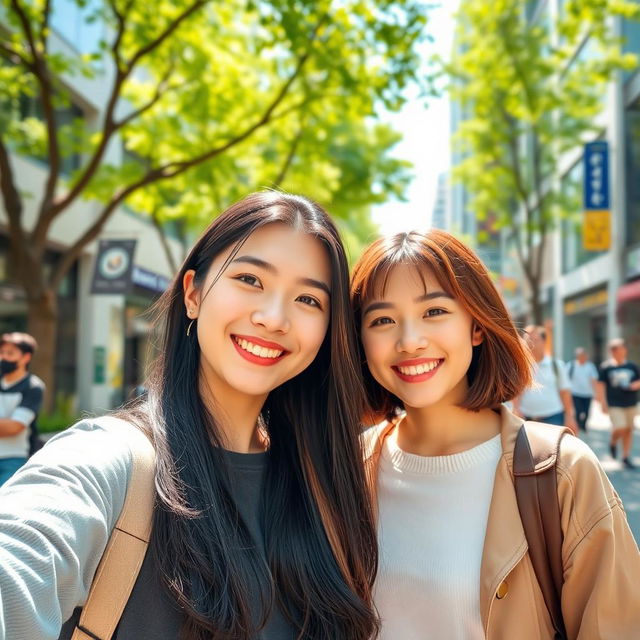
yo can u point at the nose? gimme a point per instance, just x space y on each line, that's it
411 339
272 316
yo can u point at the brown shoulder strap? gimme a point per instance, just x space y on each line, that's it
534 469
127 546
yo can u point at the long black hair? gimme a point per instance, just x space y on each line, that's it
319 529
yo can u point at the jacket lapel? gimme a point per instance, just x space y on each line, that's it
505 543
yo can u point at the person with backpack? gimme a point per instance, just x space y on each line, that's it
583 376
262 527
548 399
459 558
21 395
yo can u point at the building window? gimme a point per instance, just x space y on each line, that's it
632 172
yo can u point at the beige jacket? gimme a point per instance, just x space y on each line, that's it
601 593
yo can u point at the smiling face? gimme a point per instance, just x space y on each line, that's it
418 340
262 320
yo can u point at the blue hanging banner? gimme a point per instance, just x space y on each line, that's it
596 176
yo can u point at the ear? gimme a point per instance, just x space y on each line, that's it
477 335
191 294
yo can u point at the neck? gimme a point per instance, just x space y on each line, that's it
14 376
445 429
237 420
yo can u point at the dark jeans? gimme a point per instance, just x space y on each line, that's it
582 405
556 418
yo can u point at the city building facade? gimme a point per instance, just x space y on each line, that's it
104 341
588 297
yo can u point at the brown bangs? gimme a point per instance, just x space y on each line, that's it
501 366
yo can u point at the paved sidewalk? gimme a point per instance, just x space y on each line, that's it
626 482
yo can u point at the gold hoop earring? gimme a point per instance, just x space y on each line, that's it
189 327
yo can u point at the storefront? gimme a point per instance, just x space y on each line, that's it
585 324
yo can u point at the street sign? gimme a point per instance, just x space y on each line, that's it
597 215
596 232
112 271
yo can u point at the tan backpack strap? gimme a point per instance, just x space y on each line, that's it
120 564
534 469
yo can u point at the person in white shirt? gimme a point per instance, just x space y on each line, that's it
583 376
549 398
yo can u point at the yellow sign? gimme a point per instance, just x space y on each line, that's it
597 230
586 302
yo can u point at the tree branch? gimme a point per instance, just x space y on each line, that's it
154 44
44 27
10 194
26 27
109 126
293 148
40 70
12 53
160 91
173 169
163 240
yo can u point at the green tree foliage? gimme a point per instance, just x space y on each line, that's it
529 96
207 99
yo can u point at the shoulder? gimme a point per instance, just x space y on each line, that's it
371 436
92 450
584 490
33 382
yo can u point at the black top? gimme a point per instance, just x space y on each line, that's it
152 614
617 378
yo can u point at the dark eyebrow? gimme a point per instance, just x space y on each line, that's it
375 306
267 266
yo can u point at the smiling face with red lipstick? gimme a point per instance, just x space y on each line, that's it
418 339
262 313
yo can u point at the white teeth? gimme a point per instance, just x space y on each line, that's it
419 369
256 350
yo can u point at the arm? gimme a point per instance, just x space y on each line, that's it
56 515
564 385
601 560
10 427
23 415
569 410
601 396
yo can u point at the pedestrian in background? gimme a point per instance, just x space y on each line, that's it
583 376
619 382
549 398
21 395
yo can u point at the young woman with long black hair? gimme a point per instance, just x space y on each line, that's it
262 526
442 356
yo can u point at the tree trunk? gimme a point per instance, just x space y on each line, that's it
42 324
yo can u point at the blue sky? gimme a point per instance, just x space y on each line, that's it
426 138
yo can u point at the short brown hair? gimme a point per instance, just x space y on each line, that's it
25 342
501 365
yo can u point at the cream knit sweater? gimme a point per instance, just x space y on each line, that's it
432 518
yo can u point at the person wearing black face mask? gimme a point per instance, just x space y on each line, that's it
21 396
